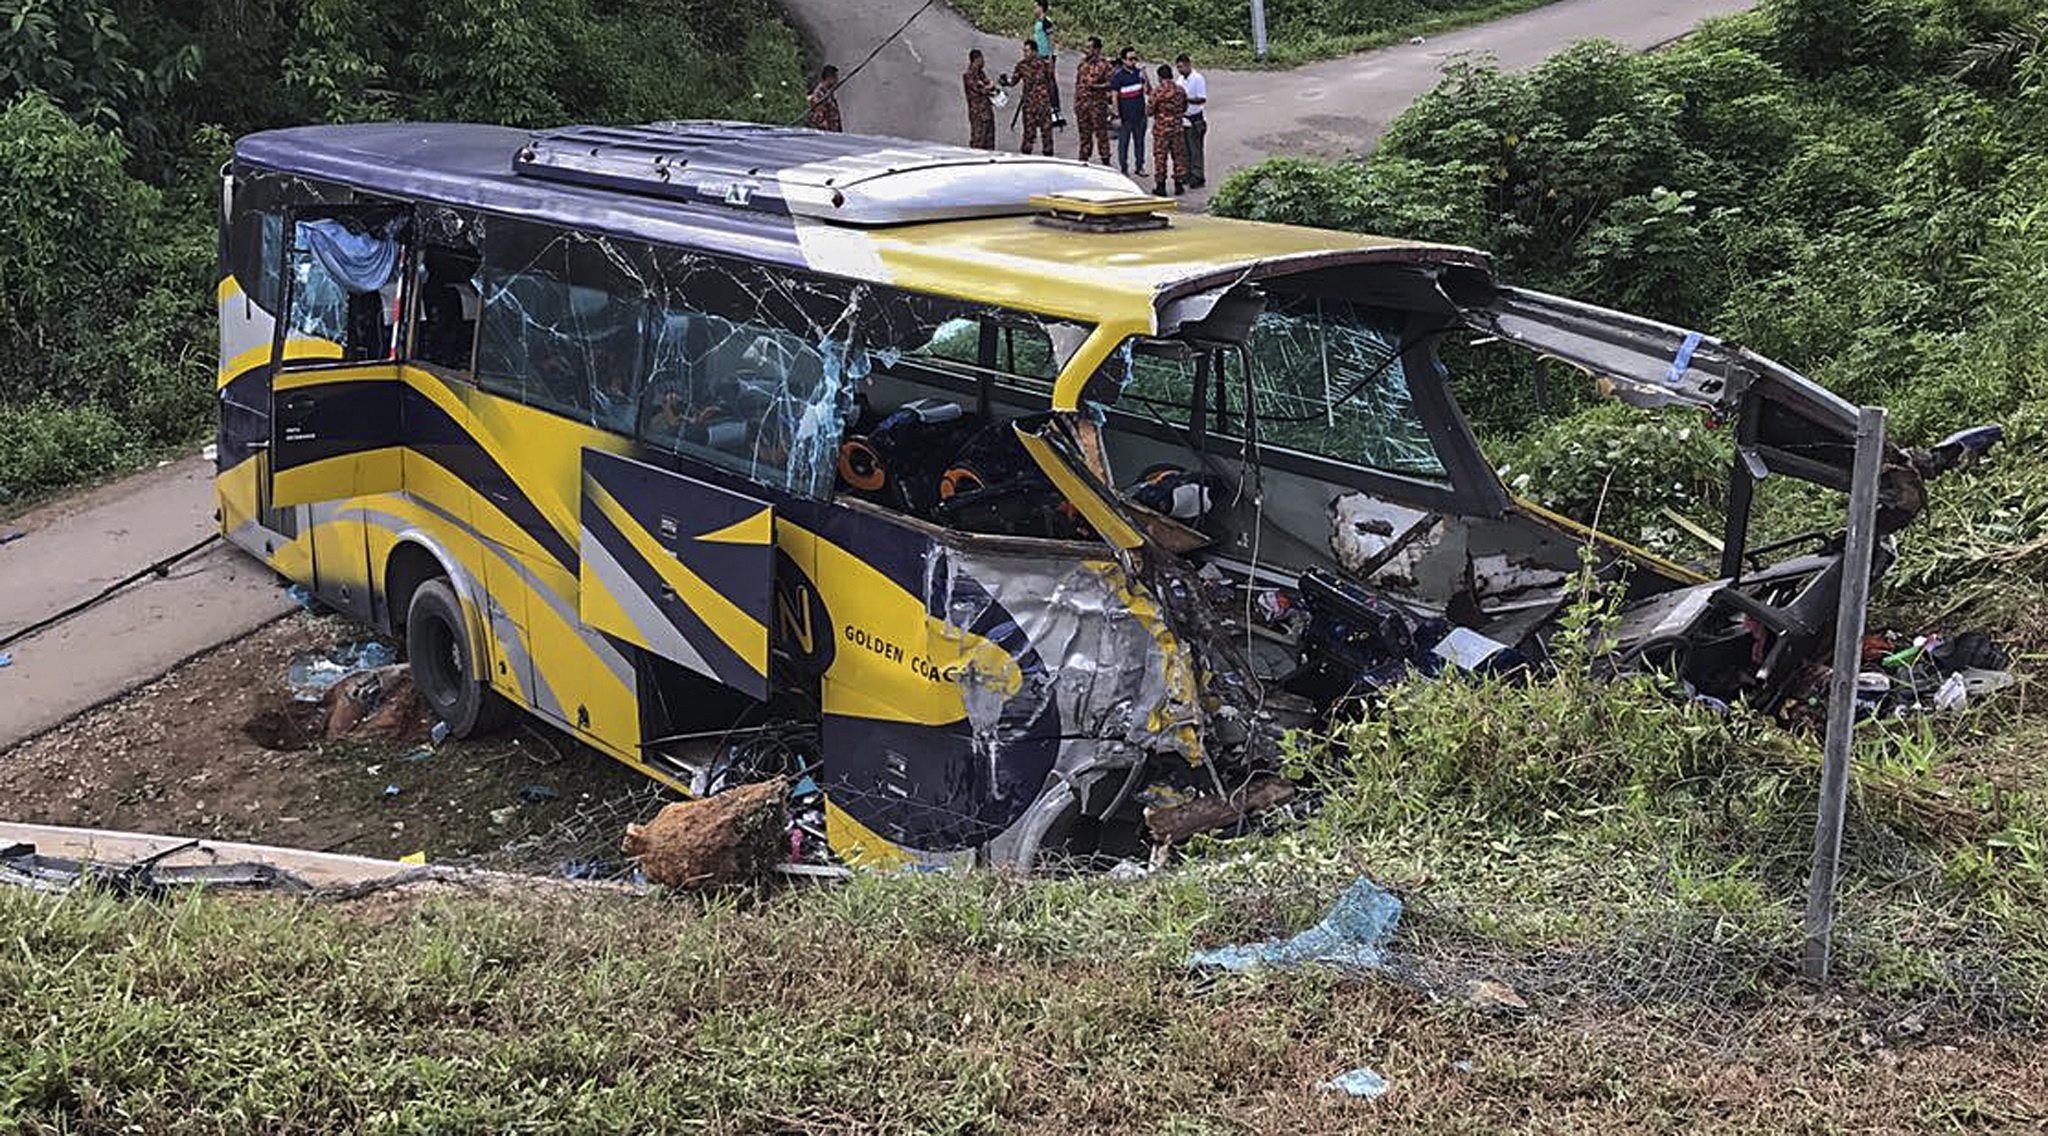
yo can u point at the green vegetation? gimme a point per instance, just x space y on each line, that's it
1218 32
116 114
1626 862
1853 189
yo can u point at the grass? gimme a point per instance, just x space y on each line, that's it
896 1004
1218 34
1639 889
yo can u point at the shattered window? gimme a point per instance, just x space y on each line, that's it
1328 378
749 367
1160 379
345 272
450 298
755 398
562 323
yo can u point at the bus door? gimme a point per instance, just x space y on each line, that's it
679 567
334 398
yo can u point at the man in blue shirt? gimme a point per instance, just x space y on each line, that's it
1041 34
1129 84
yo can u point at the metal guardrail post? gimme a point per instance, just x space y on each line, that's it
1259 28
1849 616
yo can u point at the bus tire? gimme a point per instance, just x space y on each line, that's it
444 668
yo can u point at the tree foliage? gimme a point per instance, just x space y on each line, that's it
116 114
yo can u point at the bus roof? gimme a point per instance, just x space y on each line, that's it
916 215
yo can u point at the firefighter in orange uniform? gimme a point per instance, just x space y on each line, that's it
1169 110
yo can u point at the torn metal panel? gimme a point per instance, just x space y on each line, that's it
1120 673
1802 429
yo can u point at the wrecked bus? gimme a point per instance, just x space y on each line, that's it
1030 494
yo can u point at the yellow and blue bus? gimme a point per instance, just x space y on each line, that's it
1027 492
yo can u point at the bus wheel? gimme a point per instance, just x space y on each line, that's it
437 644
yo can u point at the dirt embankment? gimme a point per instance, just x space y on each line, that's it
182 756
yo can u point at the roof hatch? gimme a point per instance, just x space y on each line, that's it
1102 210
850 179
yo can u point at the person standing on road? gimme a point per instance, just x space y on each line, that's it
1128 83
1041 34
825 101
1196 86
1092 100
1169 109
981 114
1034 74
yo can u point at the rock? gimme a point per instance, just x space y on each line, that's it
731 837
377 703
381 703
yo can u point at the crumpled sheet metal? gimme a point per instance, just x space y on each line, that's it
1353 936
1108 662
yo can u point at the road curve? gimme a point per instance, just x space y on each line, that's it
1336 107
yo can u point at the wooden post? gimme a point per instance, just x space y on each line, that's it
1834 782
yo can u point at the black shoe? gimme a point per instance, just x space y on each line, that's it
1159 189
1179 188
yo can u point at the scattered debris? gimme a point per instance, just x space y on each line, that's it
22 866
303 596
734 836
533 793
1490 994
11 536
1363 1083
1936 672
1352 936
312 673
392 790
414 859
1174 824
6 659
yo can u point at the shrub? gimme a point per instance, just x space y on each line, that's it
1623 466
50 445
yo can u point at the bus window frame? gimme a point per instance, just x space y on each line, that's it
411 356
401 353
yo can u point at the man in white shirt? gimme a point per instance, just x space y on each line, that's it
1197 129
1197 88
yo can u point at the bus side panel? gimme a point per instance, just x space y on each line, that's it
678 566
519 471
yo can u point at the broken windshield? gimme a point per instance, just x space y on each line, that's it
1329 378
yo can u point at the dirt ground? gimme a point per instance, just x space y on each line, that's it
175 757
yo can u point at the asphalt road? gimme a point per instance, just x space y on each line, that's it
73 548
1337 107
